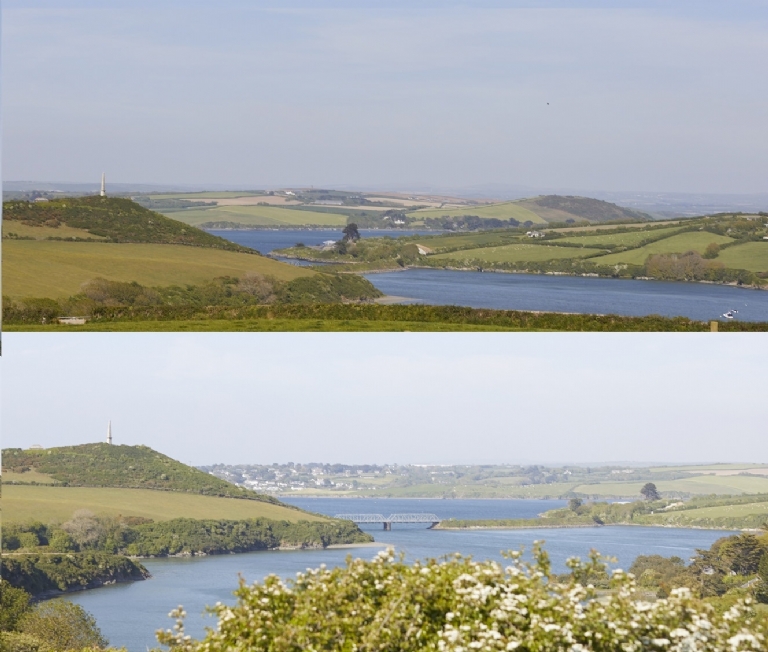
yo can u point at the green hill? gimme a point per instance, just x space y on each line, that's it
105 219
559 208
105 465
538 211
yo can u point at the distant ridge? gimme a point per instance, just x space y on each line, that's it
561 208
105 465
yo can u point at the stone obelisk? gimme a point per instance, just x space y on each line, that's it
103 192
109 432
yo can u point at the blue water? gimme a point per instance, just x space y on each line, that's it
264 241
539 292
572 294
129 614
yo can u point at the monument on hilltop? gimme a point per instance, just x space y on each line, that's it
103 192
109 432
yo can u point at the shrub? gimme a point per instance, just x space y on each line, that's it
62 625
459 604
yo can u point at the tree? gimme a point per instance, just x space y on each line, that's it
650 492
712 250
84 528
63 625
574 504
351 233
14 603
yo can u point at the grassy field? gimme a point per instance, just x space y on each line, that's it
703 485
43 232
514 253
690 241
733 511
259 216
21 503
484 238
628 239
502 211
58 269
750 255
704 468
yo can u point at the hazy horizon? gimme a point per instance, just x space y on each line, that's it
593 96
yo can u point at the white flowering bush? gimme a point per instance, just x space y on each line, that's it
460 605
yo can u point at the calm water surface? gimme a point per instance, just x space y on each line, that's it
129 614
265 241
572 294
531 291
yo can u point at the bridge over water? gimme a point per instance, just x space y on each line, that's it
387 521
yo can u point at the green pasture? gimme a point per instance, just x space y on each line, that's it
518 253
480 239
701 485
47 268
627 239
23 503
502 211
260 216
721 511
750 255
690 241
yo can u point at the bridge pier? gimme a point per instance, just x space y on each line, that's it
387 525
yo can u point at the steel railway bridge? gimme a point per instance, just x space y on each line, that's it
387 521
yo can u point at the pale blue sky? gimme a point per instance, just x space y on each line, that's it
667 96
405 398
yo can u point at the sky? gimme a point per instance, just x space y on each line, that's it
401 398
604 95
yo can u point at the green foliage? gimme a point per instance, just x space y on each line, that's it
104 465
459 604
117 220
21 642
62 625
47 573
650 492
14 603
190 536
251 290
385 317
594 210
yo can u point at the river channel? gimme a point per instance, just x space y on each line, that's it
538 292
129 614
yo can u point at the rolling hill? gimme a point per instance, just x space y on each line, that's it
106 465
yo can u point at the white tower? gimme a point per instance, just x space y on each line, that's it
109 432
103 192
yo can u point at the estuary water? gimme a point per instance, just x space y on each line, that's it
129 614
539 292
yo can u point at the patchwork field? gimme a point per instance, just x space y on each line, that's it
208 195
481 239
750 255
260 216
58 269
724 485
514 253
722 511
629 239
501 211
20 503
691 241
